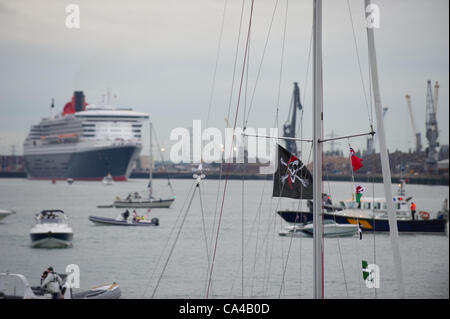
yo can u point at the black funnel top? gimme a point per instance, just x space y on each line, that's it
79 101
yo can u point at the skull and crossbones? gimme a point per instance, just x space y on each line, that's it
292 169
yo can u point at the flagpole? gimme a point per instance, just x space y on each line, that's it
385 160
318 148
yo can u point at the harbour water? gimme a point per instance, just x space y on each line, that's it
134 257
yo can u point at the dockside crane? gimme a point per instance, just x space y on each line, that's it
432 130
417 135
436 94
290 126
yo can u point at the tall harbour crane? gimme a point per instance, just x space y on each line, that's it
290 126
436 94
417 135
432 130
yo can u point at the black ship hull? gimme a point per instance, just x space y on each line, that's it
367 224
85 165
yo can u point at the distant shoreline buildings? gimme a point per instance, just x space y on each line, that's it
336 167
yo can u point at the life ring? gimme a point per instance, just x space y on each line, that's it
424 215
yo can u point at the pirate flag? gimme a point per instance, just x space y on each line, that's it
292 178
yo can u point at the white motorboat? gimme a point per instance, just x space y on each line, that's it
294 231
51 230
376 208
333 229
108 180
5 213
111 291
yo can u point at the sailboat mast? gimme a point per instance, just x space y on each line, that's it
318 148
151 162
384 159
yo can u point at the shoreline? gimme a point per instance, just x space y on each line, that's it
415 180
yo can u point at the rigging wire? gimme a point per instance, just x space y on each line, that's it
249 236
359 64
175 241
290 242
234 128
261 63
204 232
162 159
338 241
282 52
217 62
228 115
353 187
279 91
235 60
373 223
167 241
243 177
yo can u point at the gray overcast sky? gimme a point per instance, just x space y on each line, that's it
159 57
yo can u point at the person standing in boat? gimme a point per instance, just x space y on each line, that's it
360 231
125 215
52 283
413 210
44 275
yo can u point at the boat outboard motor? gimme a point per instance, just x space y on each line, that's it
155 221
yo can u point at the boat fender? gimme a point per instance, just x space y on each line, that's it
424 215
155 221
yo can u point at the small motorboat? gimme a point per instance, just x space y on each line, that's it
294 231
125 219
111 291
5 213
51 230
108 180
333 229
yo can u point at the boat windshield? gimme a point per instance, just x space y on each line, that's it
351 205
50 218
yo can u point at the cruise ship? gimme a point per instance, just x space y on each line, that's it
85 142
